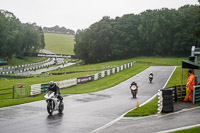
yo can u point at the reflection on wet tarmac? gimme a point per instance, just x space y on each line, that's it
55 119
93 97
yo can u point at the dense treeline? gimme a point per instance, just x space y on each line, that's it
17 38
59 30
164 32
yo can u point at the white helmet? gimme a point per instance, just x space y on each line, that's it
51 83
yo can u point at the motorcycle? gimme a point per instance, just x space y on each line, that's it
134 90
150 78
53 103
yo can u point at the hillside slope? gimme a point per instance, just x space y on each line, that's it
59 43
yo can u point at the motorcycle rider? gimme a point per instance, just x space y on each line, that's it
53 87
150 77
135 84
134 89
151 74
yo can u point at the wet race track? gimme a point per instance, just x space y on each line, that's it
83 113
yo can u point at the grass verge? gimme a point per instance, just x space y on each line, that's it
176 77
148 109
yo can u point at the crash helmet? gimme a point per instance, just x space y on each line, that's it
51 83
133 82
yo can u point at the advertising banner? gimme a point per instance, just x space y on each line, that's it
83 80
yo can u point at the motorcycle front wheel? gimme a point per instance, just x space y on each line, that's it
50 107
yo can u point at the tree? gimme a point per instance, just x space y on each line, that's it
160 32
17 38
94 44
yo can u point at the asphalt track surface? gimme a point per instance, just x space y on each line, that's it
83 113
156 123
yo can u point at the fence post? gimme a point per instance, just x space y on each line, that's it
13 92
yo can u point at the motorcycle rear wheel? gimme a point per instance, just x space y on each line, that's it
150 80
133 94
61 108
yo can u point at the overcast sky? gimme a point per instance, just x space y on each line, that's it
80 14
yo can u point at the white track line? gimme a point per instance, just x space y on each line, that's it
169 77
178 129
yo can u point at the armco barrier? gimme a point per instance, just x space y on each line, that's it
39 88
96 77
67 83
196 94
105 73
35 89
44 87
102 74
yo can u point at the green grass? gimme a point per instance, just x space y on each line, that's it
148 109
27 60
5 84
106 82
154 61
11 102
176 77
59 43
91 86
161 61
94 67
191 130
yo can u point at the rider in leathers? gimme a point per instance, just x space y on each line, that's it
53 87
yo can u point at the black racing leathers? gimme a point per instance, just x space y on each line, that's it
56 90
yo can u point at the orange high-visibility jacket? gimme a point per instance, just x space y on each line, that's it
191 81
